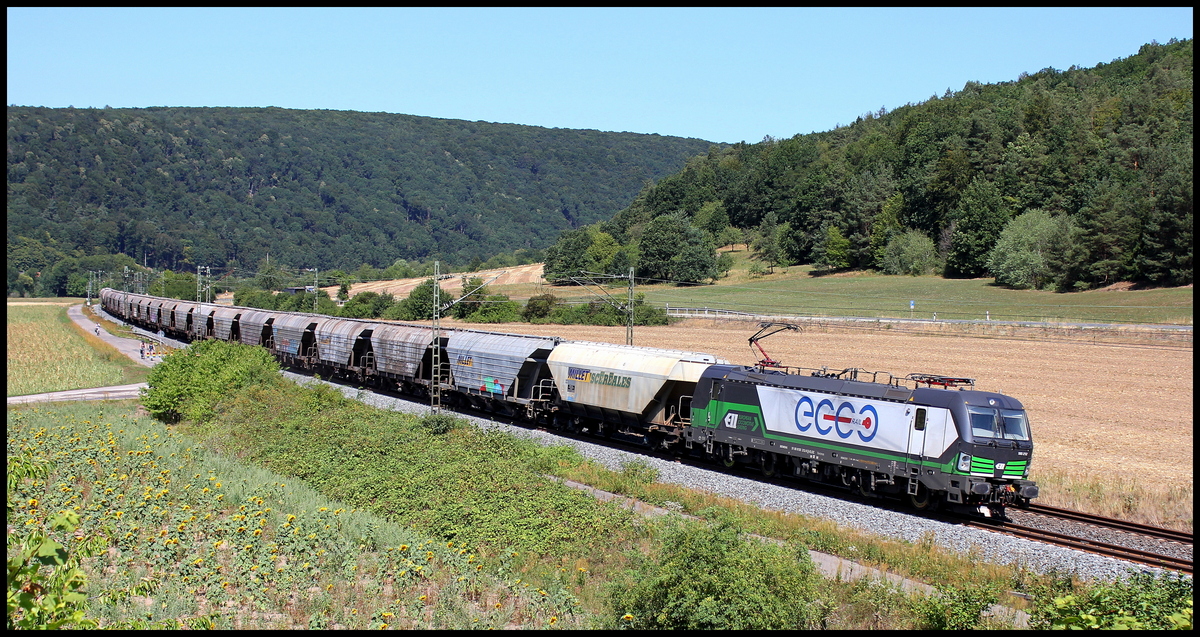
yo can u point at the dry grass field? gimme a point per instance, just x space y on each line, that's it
517 275
1112 420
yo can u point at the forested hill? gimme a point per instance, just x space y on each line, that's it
1060 179
180 187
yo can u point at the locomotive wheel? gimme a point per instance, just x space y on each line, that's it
924 499
768 465
864 485
727 458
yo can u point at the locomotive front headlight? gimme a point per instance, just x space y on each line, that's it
964 463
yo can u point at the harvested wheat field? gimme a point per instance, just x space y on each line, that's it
401 288
1117 413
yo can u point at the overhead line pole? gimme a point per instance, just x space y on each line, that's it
607 298
435 387
314 271
435 398
629 324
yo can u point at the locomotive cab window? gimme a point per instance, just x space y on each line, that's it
919 423
1015 423
1003 424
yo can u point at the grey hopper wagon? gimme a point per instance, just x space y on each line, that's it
138 305
295 334
202 318
224 320
155 315
402 351
166 319
255 328
182 316
505 367
346 344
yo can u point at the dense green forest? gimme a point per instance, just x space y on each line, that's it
184 187
1063 180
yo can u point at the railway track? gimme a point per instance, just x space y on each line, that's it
1112 523
1138 556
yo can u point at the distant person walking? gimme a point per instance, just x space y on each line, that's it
142 351
97 330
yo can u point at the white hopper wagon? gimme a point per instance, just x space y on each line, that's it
632 385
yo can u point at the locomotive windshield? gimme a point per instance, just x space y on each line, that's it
1002 424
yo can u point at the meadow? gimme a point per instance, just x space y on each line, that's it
47 352
802 291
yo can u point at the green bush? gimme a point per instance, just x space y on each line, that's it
496 308
189 383
911 253
55 597
711 577
1142 601
602 313
539 307
956 608
1029 248
440 423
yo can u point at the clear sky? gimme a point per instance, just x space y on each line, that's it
723 75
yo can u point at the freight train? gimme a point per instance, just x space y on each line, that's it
938 442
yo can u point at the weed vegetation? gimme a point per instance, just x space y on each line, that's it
1129 498
47 352
685 582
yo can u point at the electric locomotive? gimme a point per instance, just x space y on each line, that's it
931 445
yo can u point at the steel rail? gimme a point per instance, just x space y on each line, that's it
1111 523
1091 546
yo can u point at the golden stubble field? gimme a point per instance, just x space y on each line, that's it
1118 410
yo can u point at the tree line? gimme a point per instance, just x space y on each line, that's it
476 304
1063 180
177 188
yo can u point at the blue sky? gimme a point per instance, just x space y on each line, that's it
722 75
